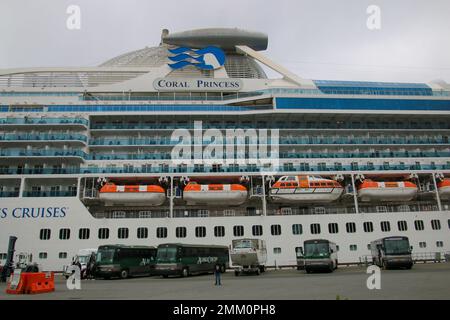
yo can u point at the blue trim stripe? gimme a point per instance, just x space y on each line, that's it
362 104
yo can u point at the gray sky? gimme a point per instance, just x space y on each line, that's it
318 39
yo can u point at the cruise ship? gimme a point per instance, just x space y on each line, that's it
191 142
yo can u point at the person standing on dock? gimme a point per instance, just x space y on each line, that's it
217 274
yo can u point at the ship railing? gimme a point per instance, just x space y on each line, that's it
282 141
203 213
27 120
146 214
50 193
9 194
42 137
430 256
205 169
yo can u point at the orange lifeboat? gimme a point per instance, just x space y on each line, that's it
308 189
217 194
444 188
387 191
149 195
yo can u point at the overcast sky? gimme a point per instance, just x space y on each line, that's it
317 39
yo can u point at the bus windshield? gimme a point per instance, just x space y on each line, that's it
105 256
83 259
167 255
396 246
317 249
243 244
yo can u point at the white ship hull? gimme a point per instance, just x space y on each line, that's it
27 229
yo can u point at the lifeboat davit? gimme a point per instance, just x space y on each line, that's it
148 195
306 189
444 189
387 191
217 194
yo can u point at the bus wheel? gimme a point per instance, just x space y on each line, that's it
124 274
165 276
185 272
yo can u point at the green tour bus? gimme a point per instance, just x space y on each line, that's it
124 261
392 252
186 259
320 254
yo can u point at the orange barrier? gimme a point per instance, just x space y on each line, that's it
32 283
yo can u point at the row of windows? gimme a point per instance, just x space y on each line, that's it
238 231
276 250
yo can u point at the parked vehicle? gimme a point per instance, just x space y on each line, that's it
125 261
186 259
392 252
320 254
248 255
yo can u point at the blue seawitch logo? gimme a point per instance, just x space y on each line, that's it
209 58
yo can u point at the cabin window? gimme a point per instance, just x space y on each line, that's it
353 247
44 234
161 232
333 228
368 226
122 233
351 227
422 244
369 247
200 232
42 255
180 232
3 256
418 224
277 250
275 229
84 233
142 233
238 231
257 230
103 233
64 234
439 244
385 226
219 231
62 255
402 226
297 229
315 228
436 224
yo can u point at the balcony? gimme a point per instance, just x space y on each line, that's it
41 153
43 137
9 194
44 121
